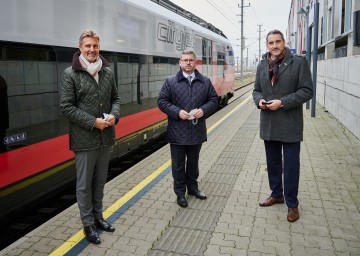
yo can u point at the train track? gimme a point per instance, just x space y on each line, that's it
19 225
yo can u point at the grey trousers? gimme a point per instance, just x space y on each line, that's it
92 169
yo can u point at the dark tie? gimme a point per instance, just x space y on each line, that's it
189 78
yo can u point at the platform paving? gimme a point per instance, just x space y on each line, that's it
230 222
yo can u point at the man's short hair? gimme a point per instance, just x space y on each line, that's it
274 32
188 52
89 33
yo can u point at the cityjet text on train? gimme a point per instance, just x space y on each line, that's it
171 33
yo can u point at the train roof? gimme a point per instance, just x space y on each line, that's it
188 15
130 26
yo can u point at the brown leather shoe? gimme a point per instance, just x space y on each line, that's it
272 200
293 214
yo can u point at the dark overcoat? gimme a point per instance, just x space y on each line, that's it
83 100
293 87
177 94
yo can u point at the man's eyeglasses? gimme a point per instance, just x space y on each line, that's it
188 60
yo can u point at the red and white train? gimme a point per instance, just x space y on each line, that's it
142 40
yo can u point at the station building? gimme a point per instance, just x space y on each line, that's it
328 32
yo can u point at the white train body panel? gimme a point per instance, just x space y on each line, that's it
131 26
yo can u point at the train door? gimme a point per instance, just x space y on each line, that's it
219 63
126 70
207 57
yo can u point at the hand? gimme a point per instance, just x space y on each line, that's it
184 115
101 124
274 104
199 113
262 105
111 119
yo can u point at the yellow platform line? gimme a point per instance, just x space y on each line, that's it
246 101
72 241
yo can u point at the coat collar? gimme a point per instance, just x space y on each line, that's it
283 65
198 76
286 61
76 65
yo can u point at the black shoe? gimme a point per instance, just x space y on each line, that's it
197 193
181 201
104 225
91 235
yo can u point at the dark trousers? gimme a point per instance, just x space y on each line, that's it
289 166
185 167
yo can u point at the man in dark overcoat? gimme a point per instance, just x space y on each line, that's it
283 83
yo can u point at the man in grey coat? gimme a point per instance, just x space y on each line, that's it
91 102
283 83
187 98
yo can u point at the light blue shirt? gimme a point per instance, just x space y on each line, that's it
192 75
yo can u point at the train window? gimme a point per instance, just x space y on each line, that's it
160 60
204 51
134 59
122 59
163 60
210 52
64 54
110 57
26 54
173 61
221 58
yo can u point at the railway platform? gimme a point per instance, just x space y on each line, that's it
141 204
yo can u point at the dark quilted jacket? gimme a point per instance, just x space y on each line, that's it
177 94
83 100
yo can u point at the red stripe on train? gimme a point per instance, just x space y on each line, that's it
24 162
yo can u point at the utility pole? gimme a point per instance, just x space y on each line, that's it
242 37
260 40
315 53
247 57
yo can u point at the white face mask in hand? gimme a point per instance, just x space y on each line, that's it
106 116
192 117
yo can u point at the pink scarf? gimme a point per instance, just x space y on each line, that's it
92 68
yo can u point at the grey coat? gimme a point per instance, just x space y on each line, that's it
177 94
293 87
83 100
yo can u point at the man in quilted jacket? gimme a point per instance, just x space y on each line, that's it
187 98
91 103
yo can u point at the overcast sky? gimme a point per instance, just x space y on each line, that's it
271 14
